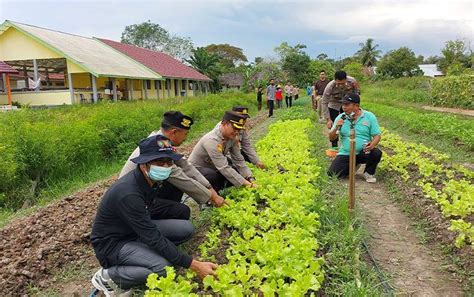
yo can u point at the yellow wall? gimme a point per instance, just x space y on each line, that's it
15 45
41 98
74 68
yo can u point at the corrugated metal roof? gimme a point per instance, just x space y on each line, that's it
7 69
89 53
161 63
430 70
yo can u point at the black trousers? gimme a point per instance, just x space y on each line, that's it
340 165
288 101
215 178
259 104
333 113
167 204
271 105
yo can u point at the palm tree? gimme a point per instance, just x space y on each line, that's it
204 62
368 54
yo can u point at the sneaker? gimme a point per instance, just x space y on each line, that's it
369 178
357 167
107 286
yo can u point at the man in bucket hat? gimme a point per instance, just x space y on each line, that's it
209 155
128 243
184 176
246 148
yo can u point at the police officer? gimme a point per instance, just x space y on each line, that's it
246 148
209 155
184 176
331 103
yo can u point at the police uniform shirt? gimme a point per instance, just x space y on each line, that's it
247 147
183 175
211 151
333 95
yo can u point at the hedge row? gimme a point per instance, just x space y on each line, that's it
453 91
38 147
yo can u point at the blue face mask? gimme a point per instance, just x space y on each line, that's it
159 173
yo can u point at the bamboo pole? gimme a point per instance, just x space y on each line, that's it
352 166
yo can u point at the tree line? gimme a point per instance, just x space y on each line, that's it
223 62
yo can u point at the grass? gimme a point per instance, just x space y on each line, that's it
447 133
58 190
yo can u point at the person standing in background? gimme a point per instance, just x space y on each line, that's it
270 96
259 97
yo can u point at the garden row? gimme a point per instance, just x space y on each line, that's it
41 148
271 232
449 186
455 129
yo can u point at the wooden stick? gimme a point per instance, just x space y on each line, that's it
352 166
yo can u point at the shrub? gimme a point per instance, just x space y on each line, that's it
453 91
41 147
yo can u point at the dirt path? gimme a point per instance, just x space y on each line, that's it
49 252
414 269
465 112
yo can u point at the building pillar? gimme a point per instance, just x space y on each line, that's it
94 88
4 80
25 76
35 74
187 88
169 87
206 84
114 90
157 88
131 89
71 87
145 87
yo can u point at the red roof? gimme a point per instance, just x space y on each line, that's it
7 69
161 63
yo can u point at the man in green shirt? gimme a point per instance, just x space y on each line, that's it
367 133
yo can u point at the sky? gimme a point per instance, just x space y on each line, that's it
332 27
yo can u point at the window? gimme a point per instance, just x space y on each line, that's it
157 84
191 85
183 85
148 84
168 84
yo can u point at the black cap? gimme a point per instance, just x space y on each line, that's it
235 118
177 119
155 147
243 110
351 98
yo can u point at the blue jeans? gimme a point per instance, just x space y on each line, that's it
137 260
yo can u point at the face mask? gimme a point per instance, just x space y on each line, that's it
351 115
159 173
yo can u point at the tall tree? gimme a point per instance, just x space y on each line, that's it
154 37
230 56
368 54
454 51
398 63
